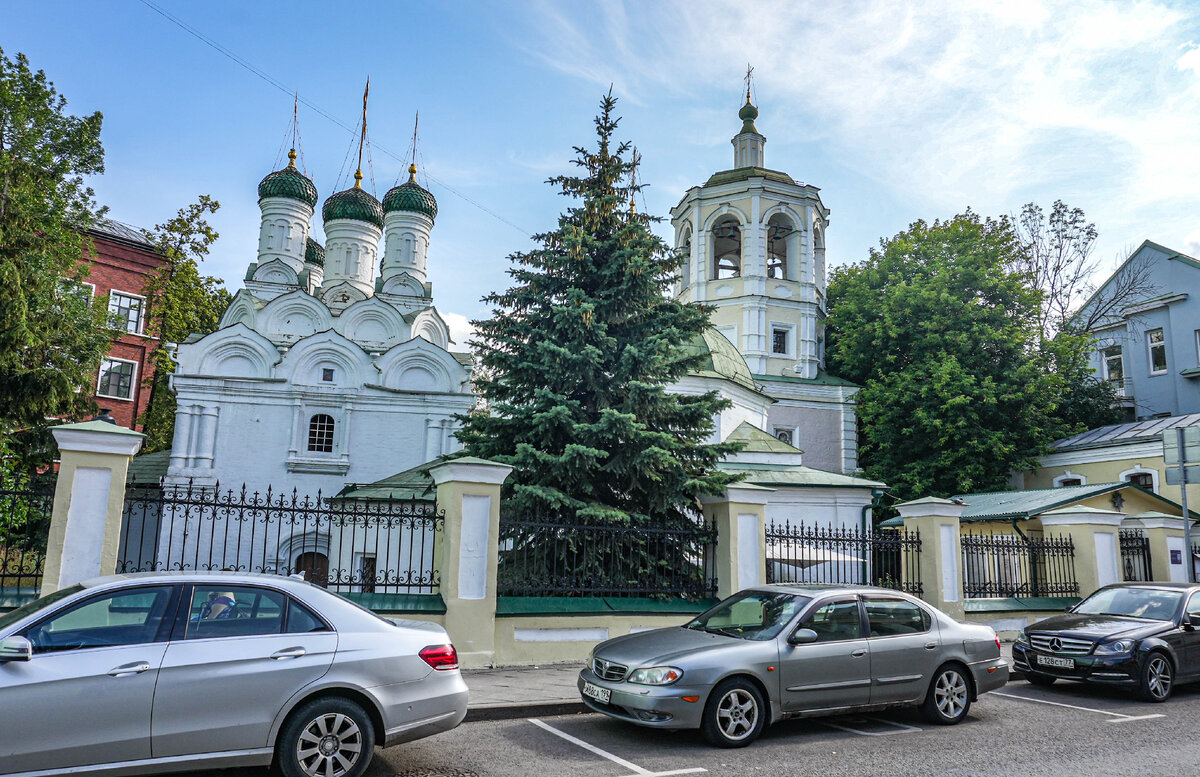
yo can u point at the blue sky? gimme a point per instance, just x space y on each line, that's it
896 111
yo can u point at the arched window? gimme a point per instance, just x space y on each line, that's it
819 258
314 565
781 248
320 433
727 248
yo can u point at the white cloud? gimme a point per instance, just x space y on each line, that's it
461 331
947 104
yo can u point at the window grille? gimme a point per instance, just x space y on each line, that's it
127 310
320 434
116 379
779 341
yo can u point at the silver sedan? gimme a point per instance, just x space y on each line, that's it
794 650
149 673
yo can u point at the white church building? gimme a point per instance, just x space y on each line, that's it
330 365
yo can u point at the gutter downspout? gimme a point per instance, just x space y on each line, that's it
1033 580
876 497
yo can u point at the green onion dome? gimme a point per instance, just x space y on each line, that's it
289 182
314 253
354 203
748 114
410 196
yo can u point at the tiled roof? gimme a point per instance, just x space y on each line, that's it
1123 434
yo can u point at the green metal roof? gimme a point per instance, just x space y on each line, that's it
823 379
288 182
314 253
745 173
415 483
721 358
354 203
410 196
755 440
148 469
795 475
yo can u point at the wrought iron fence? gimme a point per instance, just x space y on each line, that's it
24 527
1135 554
797 553
350 546
1008 565
565 555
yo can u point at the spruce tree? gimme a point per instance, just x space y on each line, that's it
577 358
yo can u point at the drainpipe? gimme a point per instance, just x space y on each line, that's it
876 497
1033 583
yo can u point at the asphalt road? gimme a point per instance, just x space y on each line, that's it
1019 731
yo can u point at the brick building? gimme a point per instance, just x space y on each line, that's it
122 260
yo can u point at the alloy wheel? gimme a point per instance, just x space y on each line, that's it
737 714
950 694
329 746
1158 677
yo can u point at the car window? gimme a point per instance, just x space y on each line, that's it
126 617
234 611
1149 603
835 621
1193 607
301 620
29 608
756 615
889 617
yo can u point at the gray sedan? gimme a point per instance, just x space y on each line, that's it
794 650
149 673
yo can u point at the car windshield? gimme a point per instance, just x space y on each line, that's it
1149 603
757 615
9 618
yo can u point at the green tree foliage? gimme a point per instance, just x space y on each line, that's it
181 302
52 334
943 336
577 359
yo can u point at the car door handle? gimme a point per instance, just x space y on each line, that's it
859 653
292 652
931 645
137 667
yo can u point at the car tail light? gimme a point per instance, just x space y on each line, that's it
440 656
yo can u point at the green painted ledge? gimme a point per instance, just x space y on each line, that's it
399 603
12 598
1033 604
518 606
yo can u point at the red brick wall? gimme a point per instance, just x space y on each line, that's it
124 266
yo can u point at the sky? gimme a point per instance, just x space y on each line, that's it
896 111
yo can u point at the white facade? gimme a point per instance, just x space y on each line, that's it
313 380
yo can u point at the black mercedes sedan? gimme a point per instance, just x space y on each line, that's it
1142 636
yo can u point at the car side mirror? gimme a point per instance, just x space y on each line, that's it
802 637
1192 620
15 649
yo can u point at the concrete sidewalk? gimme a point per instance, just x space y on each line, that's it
531 691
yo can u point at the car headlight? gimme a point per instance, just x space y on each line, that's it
655 675
1112 648
1022 637
588 661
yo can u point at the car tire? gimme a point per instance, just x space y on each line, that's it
1039 679
1156 679
735 714
949 696
323 731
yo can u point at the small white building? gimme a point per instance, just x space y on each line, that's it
331 365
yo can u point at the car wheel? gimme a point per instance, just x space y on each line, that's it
1039 679
1157 678
734 715
329 737
949 696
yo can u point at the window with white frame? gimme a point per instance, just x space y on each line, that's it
126 310
1198 347
1114 365
1156 343
320 433
783 339
117 378
1142 477
787 434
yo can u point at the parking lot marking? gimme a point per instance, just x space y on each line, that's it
1119 717
605 754
901 728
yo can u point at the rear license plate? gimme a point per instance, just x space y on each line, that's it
1061 663
596 692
